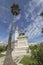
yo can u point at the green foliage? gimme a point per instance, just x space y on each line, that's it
42 30
28 50
33 50
1 55
37 53
39 56
3 48
15 9
33 47
28 61
41 14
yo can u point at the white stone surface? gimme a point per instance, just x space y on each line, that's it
2 60
17 59
20 45
16 33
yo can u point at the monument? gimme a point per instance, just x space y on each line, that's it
20 43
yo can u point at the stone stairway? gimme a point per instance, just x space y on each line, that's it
17 59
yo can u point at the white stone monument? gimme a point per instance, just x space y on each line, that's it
20 44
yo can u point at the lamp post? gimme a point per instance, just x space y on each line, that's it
8 60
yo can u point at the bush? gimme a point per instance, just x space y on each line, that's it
38 54
3 48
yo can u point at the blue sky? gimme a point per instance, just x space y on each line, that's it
28 19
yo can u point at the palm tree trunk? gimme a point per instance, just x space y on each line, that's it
8 59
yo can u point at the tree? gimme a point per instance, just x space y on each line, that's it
38 54
33 50
42 30
3 48
8 60
41 14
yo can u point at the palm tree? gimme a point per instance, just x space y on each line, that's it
8 60
42 30
41 14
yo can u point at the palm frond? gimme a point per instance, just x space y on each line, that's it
41 14
15 9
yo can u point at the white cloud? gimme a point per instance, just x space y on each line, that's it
18 17
34 29
5 8
5 21
31 7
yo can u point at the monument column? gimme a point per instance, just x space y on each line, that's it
16 33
